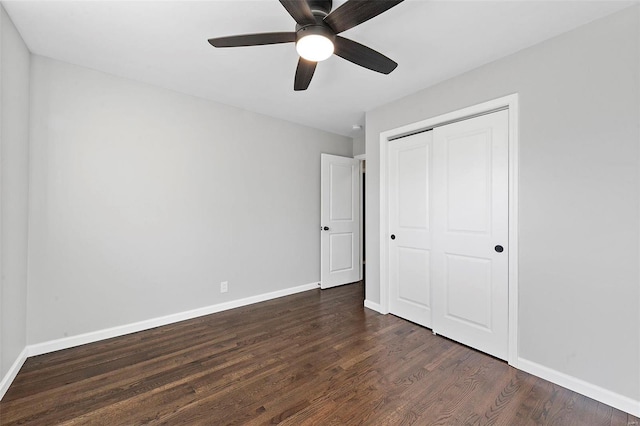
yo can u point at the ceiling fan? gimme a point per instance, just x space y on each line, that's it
316 35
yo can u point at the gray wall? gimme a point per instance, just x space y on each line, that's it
14 178
359 146
579 194
143 200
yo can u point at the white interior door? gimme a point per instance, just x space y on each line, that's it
340 261
409 227
470 232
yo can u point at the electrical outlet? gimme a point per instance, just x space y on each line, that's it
224 286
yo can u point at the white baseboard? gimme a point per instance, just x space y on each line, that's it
621 402
95 336
373 306
13 372
608 397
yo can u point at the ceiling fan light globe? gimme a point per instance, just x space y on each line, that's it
314 47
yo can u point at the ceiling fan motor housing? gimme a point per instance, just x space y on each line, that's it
322 7
317 29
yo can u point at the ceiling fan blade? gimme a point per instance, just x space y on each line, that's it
253 39
355 12
363 55
304 73
299 11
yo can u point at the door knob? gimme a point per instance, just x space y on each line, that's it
499 248
326 228
393 237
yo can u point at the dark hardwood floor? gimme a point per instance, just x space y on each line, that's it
316 358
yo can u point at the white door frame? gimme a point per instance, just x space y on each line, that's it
509 102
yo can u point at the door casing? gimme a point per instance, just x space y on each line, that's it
509 103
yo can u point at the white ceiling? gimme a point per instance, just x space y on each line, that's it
165 43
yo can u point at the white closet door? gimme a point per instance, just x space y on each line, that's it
340 261
470 229
410 234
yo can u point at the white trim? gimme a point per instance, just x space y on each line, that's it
514 183
361 196
13 372
4 384
510 102
638 94
621 402
360 157
372 305
95 336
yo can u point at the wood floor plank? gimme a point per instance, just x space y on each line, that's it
311 358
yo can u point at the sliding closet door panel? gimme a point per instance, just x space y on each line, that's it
410 234
470 232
